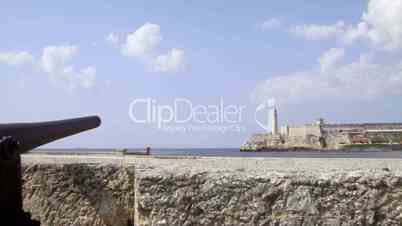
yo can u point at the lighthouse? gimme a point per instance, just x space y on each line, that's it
274 121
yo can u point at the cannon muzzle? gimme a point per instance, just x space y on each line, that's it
32 135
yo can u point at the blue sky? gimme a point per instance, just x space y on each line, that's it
335 59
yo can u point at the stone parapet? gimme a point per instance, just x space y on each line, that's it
128 190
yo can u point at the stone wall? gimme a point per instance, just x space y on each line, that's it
236 199
362 126
387 137
171 191
79 194
335 140
258 139
303 131
299 131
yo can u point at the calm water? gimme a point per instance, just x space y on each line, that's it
232 152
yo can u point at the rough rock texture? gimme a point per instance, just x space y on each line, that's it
212 191
228 199
79 194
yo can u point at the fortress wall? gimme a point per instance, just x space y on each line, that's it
303 131
335 139
258 139
332 128
314 130
297 141
299 131
337 133
383 126
121 191
366 126
303 136
379 137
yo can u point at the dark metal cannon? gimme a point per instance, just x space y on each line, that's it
19 138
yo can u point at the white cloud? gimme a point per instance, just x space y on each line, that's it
87 77
331 58
270 24
380 25
361 79
54 58
112 38
318 32
55 62
333 80
384 18
352 33
16 59
173 61
143 41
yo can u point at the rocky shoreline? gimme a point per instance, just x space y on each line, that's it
140 190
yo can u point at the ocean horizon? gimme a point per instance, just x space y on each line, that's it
233 152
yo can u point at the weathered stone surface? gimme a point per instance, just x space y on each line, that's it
229 199
79 194
212 191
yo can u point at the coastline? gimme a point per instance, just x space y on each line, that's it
227 153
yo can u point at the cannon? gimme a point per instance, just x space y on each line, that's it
20 138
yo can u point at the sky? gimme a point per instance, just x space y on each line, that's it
340 60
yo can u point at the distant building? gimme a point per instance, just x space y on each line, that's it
274 121
321 135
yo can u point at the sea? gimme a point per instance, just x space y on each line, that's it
235 152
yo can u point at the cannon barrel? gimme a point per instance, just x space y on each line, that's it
32 135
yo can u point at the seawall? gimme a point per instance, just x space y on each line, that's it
129 190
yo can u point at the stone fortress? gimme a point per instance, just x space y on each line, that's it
322 135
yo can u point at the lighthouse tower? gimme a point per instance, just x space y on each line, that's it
274 121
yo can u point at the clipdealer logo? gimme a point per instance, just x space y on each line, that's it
266 108
183 115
